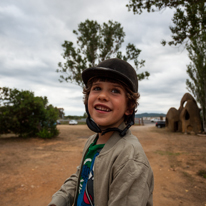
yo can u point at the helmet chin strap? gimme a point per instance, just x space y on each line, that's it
95 128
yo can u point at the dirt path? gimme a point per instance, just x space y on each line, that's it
33 169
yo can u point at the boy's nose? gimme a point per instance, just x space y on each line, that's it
103 96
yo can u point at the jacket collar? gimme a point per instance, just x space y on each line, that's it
115 137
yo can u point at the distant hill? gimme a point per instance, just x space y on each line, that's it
150 115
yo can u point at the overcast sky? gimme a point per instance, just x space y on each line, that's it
31 34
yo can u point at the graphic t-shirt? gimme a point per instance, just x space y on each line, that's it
85 193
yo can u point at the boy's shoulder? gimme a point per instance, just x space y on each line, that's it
132 141
130 147
125 148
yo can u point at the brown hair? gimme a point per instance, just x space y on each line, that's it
132 97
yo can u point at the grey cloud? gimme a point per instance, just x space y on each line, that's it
31 34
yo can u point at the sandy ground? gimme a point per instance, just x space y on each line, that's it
31 170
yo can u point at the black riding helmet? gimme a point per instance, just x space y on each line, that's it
116 69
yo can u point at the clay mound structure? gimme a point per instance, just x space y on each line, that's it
187 118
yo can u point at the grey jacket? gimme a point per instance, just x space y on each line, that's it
122 175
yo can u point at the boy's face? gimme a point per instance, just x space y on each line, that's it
107 104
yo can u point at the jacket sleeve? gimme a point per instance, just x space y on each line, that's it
132 185
65 195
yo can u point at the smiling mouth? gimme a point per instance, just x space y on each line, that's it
101 108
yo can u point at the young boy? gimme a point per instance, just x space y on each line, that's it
114 169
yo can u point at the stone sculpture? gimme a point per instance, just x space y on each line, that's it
187 118
173 120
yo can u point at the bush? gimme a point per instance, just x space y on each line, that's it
202 173
47 134
26 115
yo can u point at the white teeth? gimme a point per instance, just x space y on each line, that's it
102 108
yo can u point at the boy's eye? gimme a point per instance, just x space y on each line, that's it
115 91
96 88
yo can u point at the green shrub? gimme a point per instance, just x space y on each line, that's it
202 173
26 115
46 133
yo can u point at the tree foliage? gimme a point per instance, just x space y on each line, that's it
190 30
61 113
197 71
24 114
96 43
189 18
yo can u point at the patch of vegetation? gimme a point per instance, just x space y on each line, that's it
172 166
174 162
25 115
76 117
47 134
188 176
64 122
190 163
202 173
82 123
167 153
11 189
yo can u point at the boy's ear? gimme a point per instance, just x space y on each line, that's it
128 112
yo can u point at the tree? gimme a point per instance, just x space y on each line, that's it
61 113
96 43
189 18
85 115
189 30
26 115
197 71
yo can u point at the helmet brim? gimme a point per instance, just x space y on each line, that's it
92 72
